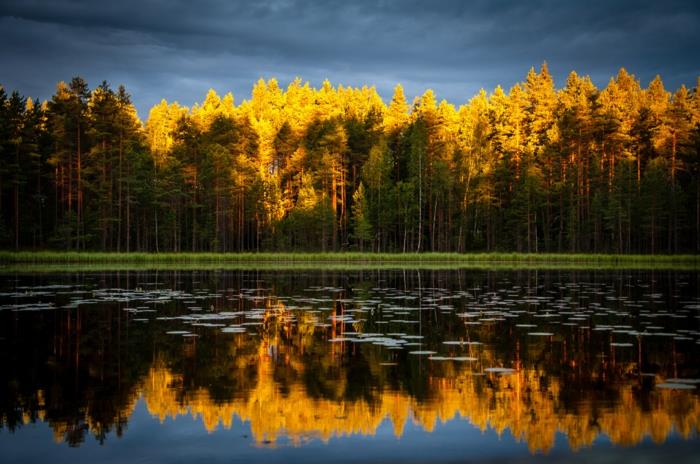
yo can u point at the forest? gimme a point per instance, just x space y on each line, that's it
537 168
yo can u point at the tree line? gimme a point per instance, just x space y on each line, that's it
537 168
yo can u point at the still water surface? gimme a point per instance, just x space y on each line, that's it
358 366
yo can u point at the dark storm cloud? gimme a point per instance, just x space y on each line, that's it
178 49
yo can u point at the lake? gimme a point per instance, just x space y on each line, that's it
350 366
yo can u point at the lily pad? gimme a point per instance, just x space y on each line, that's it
499 370
675 386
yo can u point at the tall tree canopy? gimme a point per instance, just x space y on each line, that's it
534 168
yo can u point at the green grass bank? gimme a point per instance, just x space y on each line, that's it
96 260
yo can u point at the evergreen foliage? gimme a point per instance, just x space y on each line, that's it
534 169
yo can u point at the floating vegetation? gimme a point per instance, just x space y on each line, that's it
233 330
399 313
684 381
456 334
424 339
676 386
499 370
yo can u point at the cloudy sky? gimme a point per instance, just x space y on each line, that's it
178 49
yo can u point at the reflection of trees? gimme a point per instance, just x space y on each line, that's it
82 371
62 372
516 402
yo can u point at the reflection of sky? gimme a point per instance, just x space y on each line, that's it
178 49
185 440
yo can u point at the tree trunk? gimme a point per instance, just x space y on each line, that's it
103 213
216 215
16 198
673 159
128 209
697 215
529 228
433 226
334 207
420 201
119 195
79 193
653 223
16 217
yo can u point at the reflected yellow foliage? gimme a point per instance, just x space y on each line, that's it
516 403
290 385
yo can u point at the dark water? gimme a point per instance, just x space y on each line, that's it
361 366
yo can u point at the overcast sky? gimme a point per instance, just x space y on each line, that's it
178 49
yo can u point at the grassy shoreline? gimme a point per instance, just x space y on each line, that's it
56 259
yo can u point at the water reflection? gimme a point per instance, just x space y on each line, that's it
316 355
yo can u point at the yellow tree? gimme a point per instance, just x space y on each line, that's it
160 126
542 134
575 120
657 101
396 115
213 107
678 120
516 125
619 112
541 107
475 159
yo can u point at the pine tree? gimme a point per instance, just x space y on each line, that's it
362 228
534 169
